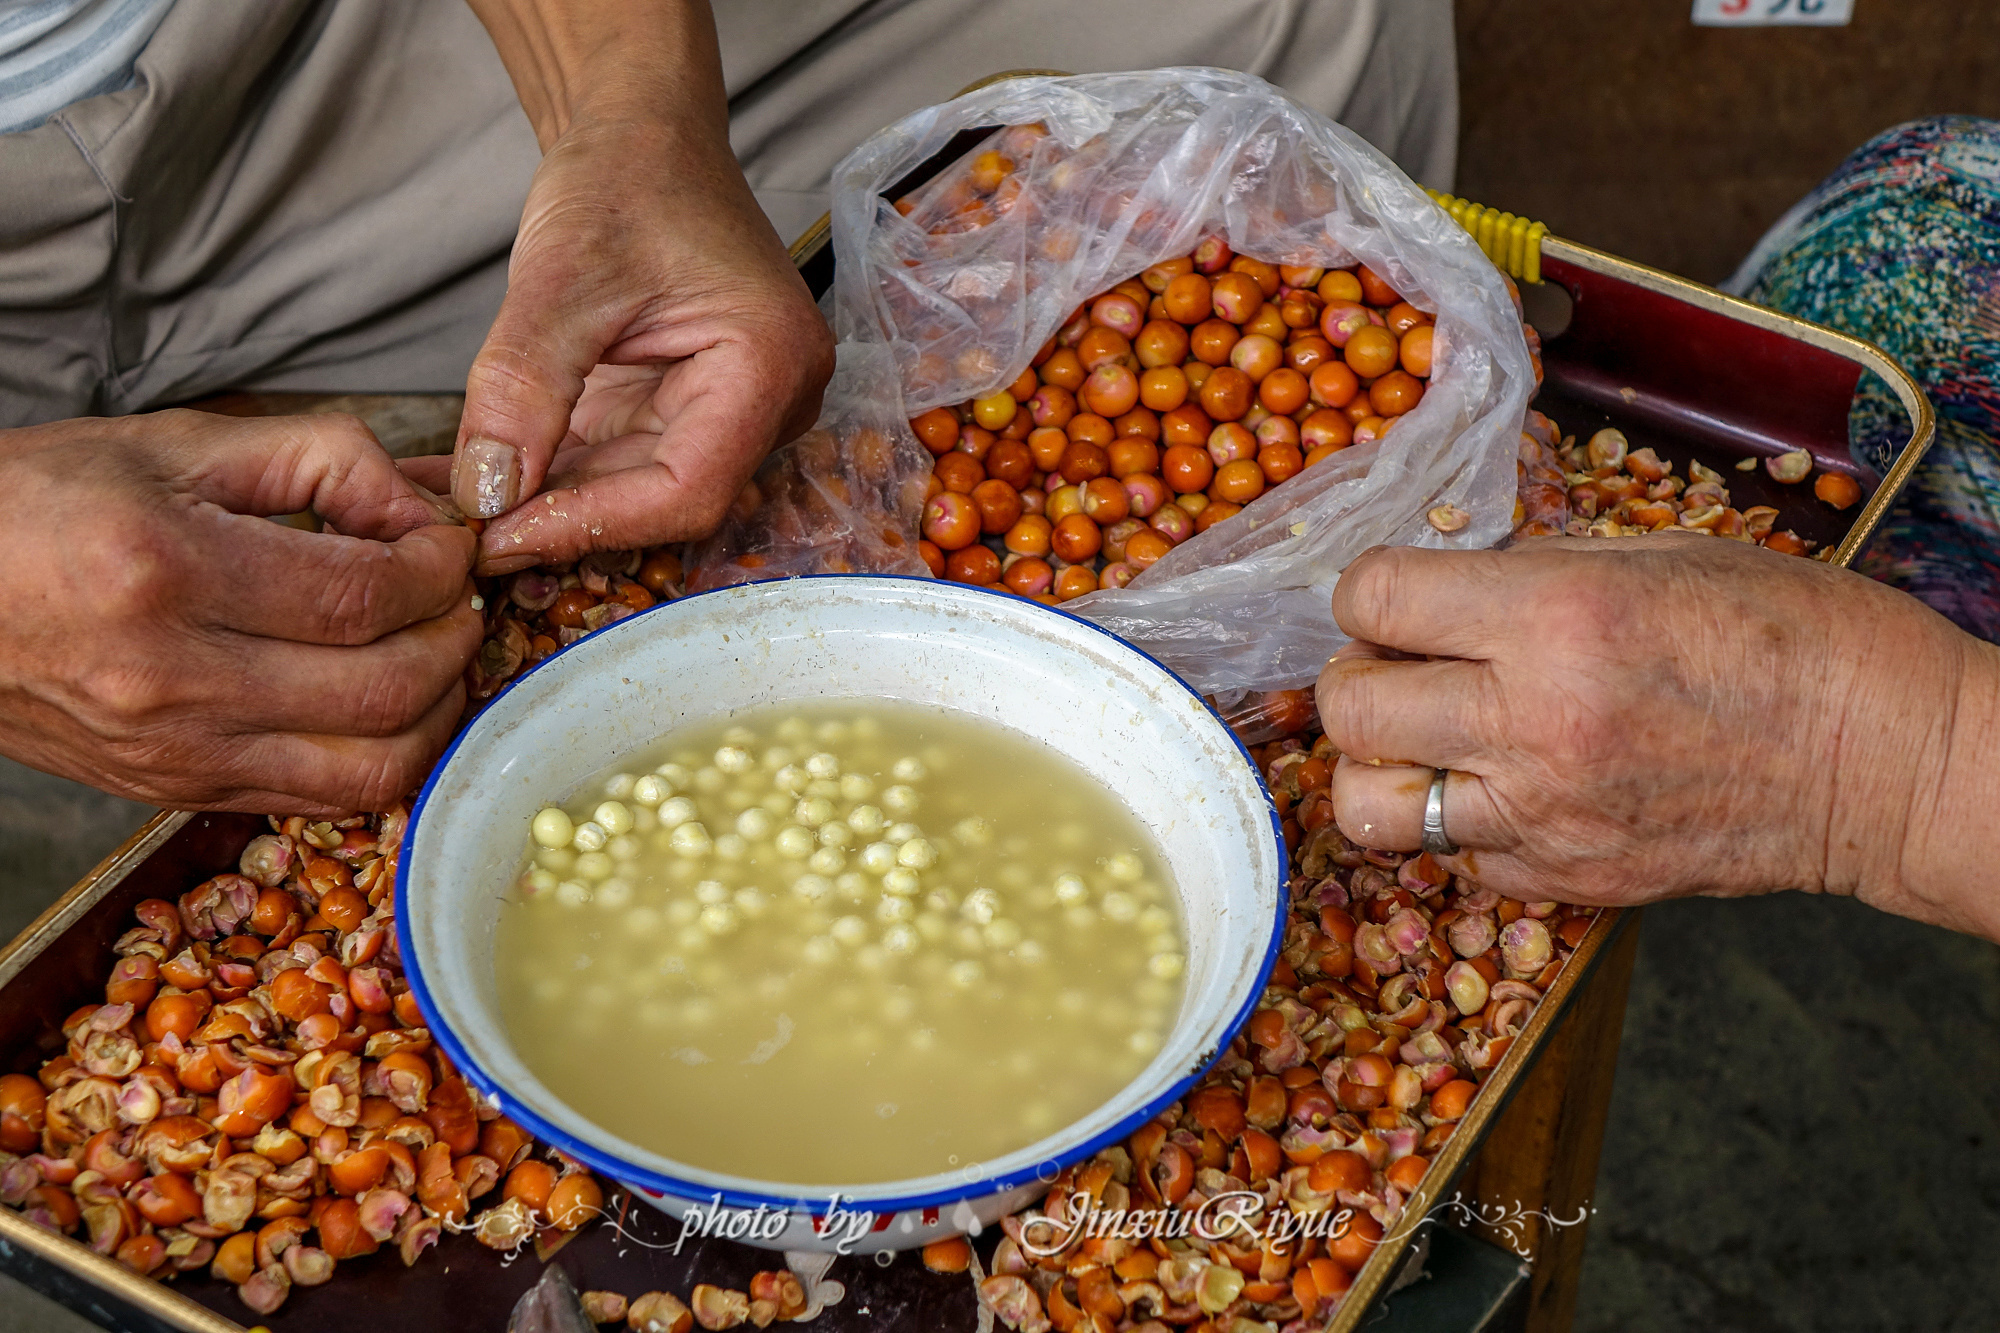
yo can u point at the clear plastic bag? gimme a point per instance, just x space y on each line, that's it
1112 174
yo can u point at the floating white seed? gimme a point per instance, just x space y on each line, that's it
820 949
642 921
651 790
812 887
742 736
692 840
1080 918
793 729
619 785
940 900
1164 942
831 731
968 938
1144 1043
1071 890
1119 906
709 780
734 759
692 938
825 788
682 912
570 893
973 831
750 903
917 854
900 939
870 958
852 885
1125 866
866 820
909 769
719 919
794 842
898 834
878 858
731 847
1001 934
558 859
614 894
901 800
541 880
676 812
590 836
711 891
965 973
902 880
548 990
855 787
828 860
777 757
594 866
931 926
1155 919
980 906
923 1039
552 828
755 823
891 908
624 847
697 1011
1166 966
1028 951
675 775
823 765
779 802
792 778
813 811
849 930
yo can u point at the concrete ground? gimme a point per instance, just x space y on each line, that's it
1805 1135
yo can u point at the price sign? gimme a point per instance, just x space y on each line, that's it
1761 13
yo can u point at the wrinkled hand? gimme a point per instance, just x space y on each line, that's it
166 644
1658 716
654 345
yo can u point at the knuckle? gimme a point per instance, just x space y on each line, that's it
350 607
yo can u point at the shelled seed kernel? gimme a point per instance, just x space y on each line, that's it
552 828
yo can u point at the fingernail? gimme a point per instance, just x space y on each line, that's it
486 478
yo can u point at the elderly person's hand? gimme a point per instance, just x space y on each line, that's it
1643 718
655 342
167 643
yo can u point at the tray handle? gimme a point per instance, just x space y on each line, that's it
1513 243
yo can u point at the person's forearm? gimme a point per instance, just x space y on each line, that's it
579 58
1949 871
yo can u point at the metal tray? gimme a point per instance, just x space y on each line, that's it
1673 364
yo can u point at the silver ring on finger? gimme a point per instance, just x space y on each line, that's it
1436 841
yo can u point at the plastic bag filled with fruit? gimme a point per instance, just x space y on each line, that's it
949 293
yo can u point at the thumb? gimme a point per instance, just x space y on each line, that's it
522 389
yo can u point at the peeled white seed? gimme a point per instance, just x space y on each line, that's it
855 787
651 790
734 759
675 775
849 930
967 937
901 833
731 847
1125 866
1166 966
619 785
710 892
682 912
754 823
1164 942
777 757
909 769
812 887
878 858
594 866
1144 1043
719 919
828 860
709 780
813 811
834 833
965 973
820 949
779 802
917 854
794 729
973 831
1002 934
692 840
866 820
980 906
642 921
741 736
1119 906
1071 890
824 788
794 842
892 908
900 939
852 884
750 903
570 893
676 812
541 880
869 958
901 800
902 880
644 818
590 836
558 859
831 730
614 894
613 817
624 847
931 926
1028 951
792 778
823 765
1153 920
552 828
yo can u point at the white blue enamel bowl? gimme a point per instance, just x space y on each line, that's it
1027 667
